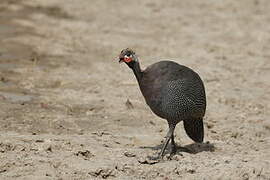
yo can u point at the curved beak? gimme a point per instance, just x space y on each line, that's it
121 60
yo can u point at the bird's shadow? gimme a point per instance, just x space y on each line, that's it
193 148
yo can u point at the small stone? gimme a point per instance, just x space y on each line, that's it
147 160
39 140
103 172
86 155
191 171
129 154
209 126
177 157
106 145
49 149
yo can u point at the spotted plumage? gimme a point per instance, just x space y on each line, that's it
173 92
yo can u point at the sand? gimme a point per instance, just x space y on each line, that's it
63 95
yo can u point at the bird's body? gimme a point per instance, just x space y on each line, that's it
173 92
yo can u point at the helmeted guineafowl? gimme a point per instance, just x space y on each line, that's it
173 92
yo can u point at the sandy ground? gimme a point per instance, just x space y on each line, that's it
63 110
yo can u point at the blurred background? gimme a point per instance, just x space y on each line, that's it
69 110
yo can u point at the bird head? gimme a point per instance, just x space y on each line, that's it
128 56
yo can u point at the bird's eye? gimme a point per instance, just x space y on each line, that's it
128 55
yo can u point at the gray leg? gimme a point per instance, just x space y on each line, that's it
168 137
173 145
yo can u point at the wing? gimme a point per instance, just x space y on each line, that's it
173 91
184 98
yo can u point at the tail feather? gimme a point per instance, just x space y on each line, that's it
194 129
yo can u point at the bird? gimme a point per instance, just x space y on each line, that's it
173 92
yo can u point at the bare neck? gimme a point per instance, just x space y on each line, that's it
137 70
